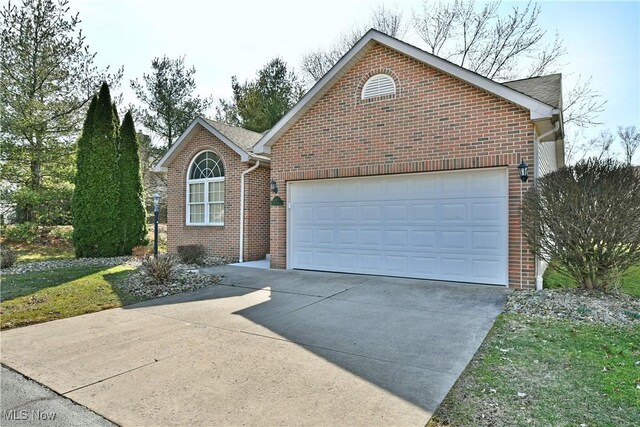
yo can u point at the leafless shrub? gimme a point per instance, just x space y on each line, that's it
160 268
141 252
191 254
587 218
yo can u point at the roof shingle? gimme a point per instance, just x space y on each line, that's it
547 89
242 137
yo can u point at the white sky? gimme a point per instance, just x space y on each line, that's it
225 38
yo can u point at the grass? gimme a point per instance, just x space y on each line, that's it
630 282
42 296
30 252
569 374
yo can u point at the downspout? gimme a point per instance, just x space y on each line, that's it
540 264
254 167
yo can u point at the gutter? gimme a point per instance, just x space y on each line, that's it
541 265
252 168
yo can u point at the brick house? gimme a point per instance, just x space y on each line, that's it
396 163
205 169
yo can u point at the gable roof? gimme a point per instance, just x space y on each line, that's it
245 138
539 110
238 139
547 89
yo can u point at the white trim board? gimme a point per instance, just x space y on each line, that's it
171 153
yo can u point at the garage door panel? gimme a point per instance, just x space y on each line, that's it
370 262
370 238
304 214
485 268
370 190
303 235
348 262
346 213
454 240
422 188
423 213
397 238
324 213
422 239
369 213
488 241
491 211
395 264
303 258
347 190
347 237
423 266
395 212
454 212
445 226
324 236
454 266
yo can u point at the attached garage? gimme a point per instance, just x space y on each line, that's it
442 225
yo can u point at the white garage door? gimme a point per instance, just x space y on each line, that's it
442 226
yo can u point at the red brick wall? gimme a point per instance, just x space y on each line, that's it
435 122
219 240
256 214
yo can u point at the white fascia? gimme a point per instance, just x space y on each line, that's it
161 166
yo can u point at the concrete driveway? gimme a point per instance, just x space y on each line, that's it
266 347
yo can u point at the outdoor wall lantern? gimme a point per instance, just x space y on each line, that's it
524 171
274 187
156 210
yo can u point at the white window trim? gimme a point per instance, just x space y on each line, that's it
369 82
207 203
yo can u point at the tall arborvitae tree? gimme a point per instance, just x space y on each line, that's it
116 118
133 214
96 209
80 204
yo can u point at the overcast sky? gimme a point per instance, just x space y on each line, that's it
237 37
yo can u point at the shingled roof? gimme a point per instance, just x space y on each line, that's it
241 136
238 139
547 89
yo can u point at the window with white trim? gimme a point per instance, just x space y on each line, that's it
205 190
379 85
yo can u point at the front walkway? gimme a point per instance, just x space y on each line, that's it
266 347
263 263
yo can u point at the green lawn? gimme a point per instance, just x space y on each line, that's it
570 374
630 281
58 293
31 252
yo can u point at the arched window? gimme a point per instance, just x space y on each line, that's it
379 85
205 190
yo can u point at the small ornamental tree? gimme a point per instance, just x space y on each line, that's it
133 214
96 214
587 218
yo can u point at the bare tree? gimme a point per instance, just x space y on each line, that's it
481 40
315 64
603 144
388 21
630 140
582 105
